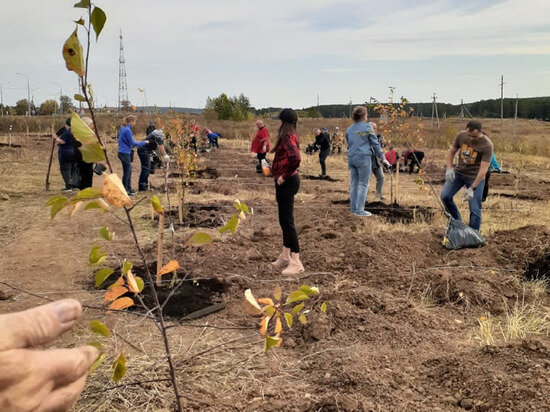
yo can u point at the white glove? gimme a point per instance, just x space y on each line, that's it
449 175
469 194
166 158
386 163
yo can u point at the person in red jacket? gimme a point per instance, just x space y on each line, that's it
260 144
284 170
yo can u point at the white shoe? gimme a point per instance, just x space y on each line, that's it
293 268
281 262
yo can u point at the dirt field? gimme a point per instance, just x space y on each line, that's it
402 329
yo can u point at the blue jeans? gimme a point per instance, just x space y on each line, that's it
379 175
145 160
451 189
126 161
360 171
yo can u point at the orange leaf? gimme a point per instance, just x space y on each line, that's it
263 324
168 268
119 282
121 303
115 292
265 301
278 326
132 284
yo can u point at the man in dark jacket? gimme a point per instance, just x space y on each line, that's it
155 142
150 128
322 141
65 153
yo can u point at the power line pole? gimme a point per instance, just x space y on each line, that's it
501 100
2 97
392 91
28 93
461 115
516 114
60 95
122 85
435 114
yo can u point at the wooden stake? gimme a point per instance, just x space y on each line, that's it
159 245
180 205
153 213
395 199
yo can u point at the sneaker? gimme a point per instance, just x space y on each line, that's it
67 189
382 197
281 262
364 213
293 268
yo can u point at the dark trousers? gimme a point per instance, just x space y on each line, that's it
486 187
126 161
323 154
66 169
416 160
285 201
260 156
86 174
145 160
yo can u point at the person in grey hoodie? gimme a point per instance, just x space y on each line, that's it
362 143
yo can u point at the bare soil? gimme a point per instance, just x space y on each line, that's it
402 310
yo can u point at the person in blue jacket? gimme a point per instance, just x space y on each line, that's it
494 167
362 146
126 143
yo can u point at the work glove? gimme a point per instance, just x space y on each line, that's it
449 175
469 194
166 158
386 163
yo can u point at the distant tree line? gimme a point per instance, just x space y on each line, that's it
47 108
223 107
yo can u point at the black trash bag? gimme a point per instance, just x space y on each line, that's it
99 168
460 236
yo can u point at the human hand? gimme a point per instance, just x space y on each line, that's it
41 380
386 163
166 158
280 180
264 149
469 194
449 174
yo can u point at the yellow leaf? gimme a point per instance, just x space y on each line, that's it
265 301
97 362
252 306
482 319
73 54
278 326
156 204
277 292
263 324
168 268
288 318
99 328
269 310
121 303
115 292
119 367
114 192
132 283
302 319
271 342
324 307
81 131
297 308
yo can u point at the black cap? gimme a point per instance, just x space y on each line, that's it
68 121
288 116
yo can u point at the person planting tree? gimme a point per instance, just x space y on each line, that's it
156 142
65 153
260 144
322 141
287 182
475 151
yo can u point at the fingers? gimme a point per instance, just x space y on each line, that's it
66 366
64 398
39 325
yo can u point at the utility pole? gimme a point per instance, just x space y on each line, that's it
28 93
501 100
461 115
392 91
122 85
435 115
2 97
60 95
145 95
516 113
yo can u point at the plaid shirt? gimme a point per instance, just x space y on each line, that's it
287 158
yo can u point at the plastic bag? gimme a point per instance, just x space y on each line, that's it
460 236
266 170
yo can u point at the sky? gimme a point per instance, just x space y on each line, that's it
284 53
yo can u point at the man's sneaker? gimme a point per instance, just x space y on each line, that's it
67 189
364 213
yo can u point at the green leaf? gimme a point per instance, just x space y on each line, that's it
270 342
270 310
83 4
309 291
101 275
324 307
297 308
126 266
80 21
98 362
86 194
296 296
288 318
200 238
302 319
99 328
92 205
231 225
56 203
140 284
119 367
156 204
105 234
92 153
96 256
79 97
96 345
98 19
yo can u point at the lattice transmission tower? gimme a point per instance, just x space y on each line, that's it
122 86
